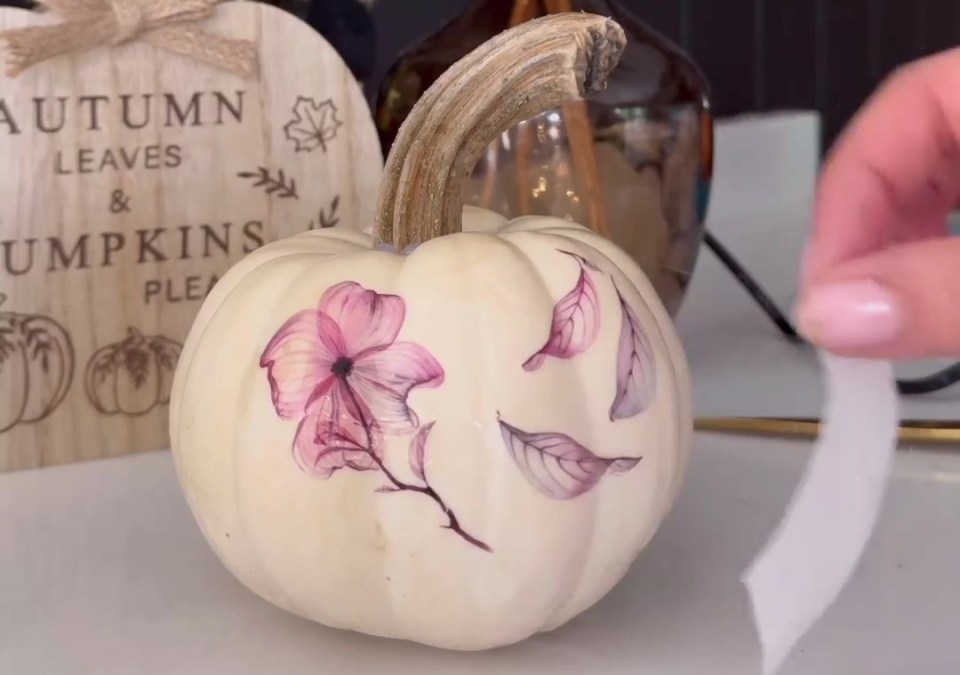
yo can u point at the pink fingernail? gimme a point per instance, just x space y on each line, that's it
850 315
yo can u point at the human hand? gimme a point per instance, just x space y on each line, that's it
881 276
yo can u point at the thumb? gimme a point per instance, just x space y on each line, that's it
902 302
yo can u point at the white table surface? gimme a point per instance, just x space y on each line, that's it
103 572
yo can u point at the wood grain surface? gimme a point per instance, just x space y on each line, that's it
130 180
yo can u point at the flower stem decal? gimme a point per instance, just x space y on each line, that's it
340 373
557 465
636 376
417 451
576 320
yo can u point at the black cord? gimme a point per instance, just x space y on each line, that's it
753 288
947 377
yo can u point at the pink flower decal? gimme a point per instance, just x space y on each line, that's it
340 373
346 349
576 320
636 376
557 465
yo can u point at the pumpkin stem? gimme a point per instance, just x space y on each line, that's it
536 66
3 298
134 334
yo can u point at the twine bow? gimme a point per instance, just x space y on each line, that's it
165 24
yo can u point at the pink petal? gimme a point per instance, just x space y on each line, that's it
556 464
324 459
418 452
344 418
383 379
298 360
575 324
354 407
331 438
636 375
535 361
366 318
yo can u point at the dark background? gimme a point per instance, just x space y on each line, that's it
826 55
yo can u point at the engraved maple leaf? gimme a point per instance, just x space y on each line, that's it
313 125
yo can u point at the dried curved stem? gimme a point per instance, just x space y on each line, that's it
533 67
582 153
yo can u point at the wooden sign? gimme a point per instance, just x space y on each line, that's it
131 178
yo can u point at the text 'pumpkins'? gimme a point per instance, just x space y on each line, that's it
461 431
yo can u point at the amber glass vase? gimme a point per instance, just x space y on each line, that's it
632 163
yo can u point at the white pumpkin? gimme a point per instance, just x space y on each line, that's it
462 444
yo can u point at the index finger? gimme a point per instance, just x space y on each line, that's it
895 172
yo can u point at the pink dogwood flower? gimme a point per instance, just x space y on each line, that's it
339 370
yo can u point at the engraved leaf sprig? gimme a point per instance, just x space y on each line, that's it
327 217
282 185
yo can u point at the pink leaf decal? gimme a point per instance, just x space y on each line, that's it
636 376
576 321
418 451
621 466
557 465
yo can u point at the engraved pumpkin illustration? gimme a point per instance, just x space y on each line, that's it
36 367
133 376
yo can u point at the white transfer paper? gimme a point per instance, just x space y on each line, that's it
815 549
